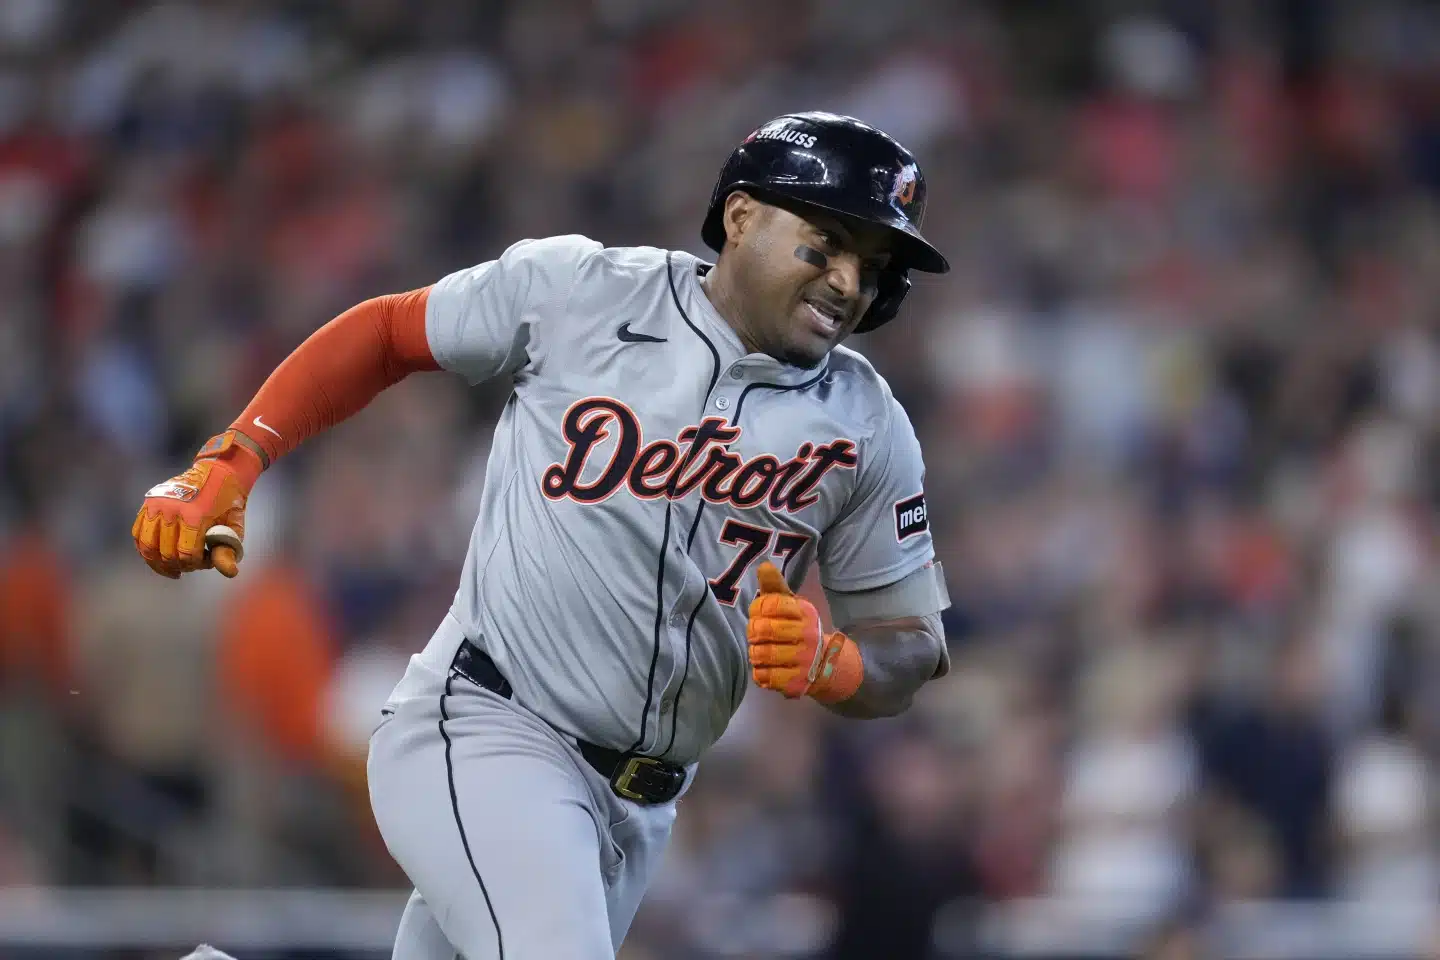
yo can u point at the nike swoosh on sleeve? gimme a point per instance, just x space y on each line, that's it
266 426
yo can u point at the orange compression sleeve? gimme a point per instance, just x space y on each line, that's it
338 370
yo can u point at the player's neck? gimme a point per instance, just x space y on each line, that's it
718 287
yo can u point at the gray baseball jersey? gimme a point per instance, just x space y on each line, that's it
642 468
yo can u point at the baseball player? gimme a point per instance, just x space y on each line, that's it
682 443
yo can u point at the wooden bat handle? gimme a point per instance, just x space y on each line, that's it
225 548
224 559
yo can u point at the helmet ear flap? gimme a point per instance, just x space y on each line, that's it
890 289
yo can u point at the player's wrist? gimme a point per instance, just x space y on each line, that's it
242 455
842 674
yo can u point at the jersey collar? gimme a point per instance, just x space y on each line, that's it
755 367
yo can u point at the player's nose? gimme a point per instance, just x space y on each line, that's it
844 277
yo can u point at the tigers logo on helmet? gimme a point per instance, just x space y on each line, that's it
902 193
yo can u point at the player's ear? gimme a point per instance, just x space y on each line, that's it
740 213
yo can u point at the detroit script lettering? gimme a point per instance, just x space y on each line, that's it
699 458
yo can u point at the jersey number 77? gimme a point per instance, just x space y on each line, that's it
754 542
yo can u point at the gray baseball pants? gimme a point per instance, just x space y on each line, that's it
518 848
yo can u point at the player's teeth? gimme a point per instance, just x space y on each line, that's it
822 314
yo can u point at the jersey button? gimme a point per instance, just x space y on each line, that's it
737 374
676 619
666 705
722 403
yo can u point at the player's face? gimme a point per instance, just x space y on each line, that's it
811 278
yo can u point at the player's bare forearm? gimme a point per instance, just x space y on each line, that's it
899 657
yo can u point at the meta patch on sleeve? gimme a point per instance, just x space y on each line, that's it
910 517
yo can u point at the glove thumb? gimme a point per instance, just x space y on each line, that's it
772 580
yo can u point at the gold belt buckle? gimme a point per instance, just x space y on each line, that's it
627 772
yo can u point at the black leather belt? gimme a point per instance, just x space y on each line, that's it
632 776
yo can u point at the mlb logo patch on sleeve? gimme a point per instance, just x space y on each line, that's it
910 517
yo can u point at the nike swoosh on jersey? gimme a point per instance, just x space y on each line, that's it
266 426
629 336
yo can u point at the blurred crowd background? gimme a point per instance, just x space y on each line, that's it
1179 399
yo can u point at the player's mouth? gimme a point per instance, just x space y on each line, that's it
825 318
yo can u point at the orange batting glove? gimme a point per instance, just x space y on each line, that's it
791 653
170 529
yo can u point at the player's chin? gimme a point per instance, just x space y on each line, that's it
804 350
811 337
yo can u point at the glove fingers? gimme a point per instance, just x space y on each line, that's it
169 542
147 532
777 655
150 542
776 605
190 548
768 630
778 678
786 680
171 533
152 559
189 563
161 569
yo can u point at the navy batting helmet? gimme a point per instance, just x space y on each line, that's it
842 165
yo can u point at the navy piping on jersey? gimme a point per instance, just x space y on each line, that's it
714 354
455 809
690 626
669 506
659 619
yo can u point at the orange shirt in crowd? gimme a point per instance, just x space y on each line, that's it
34 614
277 651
